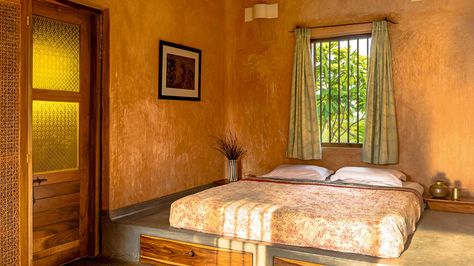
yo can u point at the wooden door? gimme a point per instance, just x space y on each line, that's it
61 81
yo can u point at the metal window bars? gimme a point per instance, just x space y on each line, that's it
340 67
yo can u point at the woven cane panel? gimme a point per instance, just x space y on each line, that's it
55 55
9 132
55 136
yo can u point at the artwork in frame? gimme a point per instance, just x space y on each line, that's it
179 72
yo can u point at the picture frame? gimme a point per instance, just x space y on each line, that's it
179 72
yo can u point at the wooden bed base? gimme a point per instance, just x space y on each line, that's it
161 251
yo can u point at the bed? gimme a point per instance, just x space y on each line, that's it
367 220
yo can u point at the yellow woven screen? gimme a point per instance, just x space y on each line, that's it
55 136
9 132
55 55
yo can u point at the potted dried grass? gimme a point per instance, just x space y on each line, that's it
229 146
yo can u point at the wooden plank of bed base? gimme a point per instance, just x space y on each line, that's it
277 261
160 251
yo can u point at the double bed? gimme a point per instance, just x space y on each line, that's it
369 220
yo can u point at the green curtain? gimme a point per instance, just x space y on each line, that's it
303 140
381 140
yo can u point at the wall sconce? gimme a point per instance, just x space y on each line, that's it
261 11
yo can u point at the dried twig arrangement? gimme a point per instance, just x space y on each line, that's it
229 146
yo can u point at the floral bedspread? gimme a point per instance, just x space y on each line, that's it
370 221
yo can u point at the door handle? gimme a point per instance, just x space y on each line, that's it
38 180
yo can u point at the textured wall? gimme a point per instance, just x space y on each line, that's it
433 74
158 147
10 46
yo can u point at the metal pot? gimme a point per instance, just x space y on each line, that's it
439 190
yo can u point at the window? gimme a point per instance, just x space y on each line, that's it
340 67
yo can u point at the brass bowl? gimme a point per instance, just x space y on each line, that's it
439 190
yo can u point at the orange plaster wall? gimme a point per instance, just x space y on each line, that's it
433 69
158 147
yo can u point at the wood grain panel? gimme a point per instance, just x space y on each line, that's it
57 255
277 261
58 258
159 251
465 205
54 216
50 241
56 202
339 31
52 229
60 96
59 177
47 191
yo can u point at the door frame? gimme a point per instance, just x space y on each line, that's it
99 133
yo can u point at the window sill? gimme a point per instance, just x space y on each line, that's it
341 145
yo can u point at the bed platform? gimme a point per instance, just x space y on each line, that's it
138 233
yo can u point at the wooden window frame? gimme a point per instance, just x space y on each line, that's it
336 33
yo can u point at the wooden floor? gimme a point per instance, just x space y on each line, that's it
442 238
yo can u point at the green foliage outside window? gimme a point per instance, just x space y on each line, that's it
341 85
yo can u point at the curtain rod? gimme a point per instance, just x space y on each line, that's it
348 24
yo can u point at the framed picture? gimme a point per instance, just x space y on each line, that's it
180 72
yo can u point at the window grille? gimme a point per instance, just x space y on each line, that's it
340 67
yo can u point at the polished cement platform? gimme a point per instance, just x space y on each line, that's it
442 238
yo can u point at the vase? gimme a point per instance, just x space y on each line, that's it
439 190
232 170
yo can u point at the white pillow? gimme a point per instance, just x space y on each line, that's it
369 176
300 171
